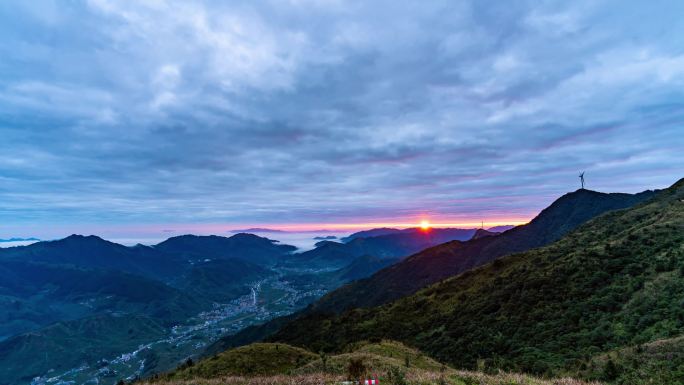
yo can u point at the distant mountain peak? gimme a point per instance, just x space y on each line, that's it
247 236
191 236
371 233
258 230
481 233
241 246
584 204
81 236
327 242
500 229
19 239
78 238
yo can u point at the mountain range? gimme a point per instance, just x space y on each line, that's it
436 263
381 243
243 246
253 230
614 282
54 291
451 258
592 275
20 240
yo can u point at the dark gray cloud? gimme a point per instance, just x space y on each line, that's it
155 112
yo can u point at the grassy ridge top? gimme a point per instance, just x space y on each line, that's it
254 359
379 357
392 362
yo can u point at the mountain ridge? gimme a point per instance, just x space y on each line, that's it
94 252
249 247
439 262
615 281
393 244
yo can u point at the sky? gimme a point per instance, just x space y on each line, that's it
152 117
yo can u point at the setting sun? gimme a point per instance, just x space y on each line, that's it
425 225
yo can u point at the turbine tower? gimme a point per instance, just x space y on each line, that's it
581 176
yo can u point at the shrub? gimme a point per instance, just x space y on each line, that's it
610 372
356 369
396 376
324 361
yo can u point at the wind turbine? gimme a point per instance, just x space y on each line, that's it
581 176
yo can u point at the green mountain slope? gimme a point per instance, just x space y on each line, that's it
222 279
254 359
80 276
616 281
439 262
362 267
34 295
390 361
51 291
69 344
657 362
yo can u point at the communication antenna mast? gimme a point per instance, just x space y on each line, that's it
581 176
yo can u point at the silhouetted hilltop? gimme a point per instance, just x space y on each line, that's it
481 233
96 253
249 247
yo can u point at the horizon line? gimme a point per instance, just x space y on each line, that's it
170 230
373 225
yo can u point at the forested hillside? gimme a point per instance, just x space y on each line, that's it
615 282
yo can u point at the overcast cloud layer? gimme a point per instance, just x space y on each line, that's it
133 113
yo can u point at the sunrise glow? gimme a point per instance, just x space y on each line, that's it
424 225
398 224
171 229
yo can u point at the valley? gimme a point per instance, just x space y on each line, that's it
96 311
267 298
